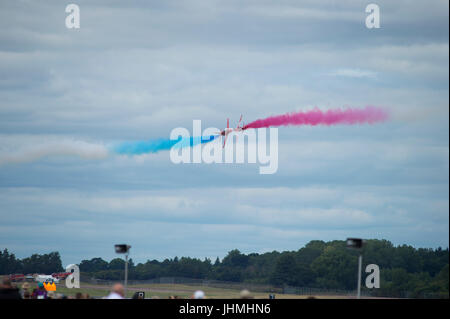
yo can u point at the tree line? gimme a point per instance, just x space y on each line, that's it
328 265
41 264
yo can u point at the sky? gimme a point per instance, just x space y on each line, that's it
135 70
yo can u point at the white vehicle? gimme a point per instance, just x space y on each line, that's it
46 278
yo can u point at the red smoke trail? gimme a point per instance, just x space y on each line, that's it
370 114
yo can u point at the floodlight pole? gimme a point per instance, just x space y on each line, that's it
358 296
357 243
126 274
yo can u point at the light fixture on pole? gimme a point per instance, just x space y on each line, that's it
357 243
124 249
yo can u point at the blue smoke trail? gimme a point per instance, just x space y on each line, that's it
154 146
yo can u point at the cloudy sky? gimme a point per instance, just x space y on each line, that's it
135 70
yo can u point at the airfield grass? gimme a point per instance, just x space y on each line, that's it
164 291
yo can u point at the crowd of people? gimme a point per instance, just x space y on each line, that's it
8 290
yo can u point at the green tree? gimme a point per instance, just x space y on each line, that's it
335 268
117 264
285 271
9 264
93 265
234 258
46 263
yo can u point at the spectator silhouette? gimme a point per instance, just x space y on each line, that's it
245 294
117 292
40 292
7 291
199 294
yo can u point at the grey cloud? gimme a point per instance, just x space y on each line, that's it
136 69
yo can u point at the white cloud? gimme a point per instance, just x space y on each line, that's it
17 149
353 73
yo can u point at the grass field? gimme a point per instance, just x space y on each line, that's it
163 291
